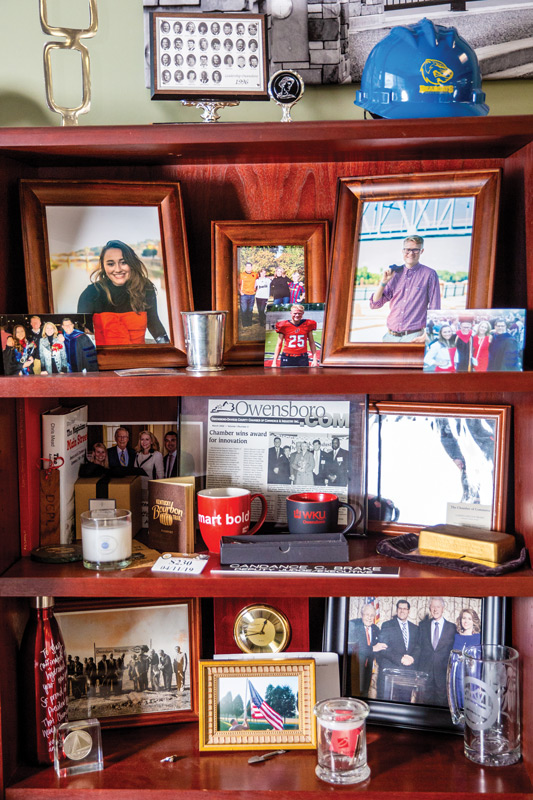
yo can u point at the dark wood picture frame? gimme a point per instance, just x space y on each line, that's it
226 239
229 89
495 618
500 415
483 185
82 607
35 196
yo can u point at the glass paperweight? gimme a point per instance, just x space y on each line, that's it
78 747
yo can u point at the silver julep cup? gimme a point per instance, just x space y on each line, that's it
204 339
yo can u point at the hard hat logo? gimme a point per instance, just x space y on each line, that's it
436 72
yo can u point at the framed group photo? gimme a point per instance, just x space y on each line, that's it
404 245
132 662
260 264
117 250
392 658
219 56
459 454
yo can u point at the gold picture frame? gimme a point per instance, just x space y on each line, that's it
229 721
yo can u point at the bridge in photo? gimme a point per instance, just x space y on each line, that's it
450 216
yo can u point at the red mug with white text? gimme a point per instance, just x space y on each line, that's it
317 512
226 512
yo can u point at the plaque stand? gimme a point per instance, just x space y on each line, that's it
210 107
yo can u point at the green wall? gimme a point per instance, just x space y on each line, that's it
119 96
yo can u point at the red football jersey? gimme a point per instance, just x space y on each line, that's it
295 341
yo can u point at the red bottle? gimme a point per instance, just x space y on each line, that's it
43 666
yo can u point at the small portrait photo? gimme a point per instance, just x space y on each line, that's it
203 44
217 76
191 44
293 335
254 61
191 60
228 45
178 59
228 60
241 62
252 29
47 344
202 28
165 26
178 76
177 27
203 61
165 43
398 647
191 76
227 28
215 28
165 59
204 77
166 76
216 60
240 29
253 45
178 44
240 45
190 27
267 274
475 340
215 44
108 261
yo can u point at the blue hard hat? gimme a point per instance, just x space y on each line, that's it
422 70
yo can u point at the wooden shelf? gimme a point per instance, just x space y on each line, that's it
256 380
27 578
404 764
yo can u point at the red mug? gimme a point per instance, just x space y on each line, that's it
226 512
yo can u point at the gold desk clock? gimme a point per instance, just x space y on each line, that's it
260 628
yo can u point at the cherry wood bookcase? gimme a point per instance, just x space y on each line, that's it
264 172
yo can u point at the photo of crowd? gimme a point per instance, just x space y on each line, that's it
399 647
47 344
485 340
127 661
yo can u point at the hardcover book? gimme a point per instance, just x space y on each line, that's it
171 514
64 446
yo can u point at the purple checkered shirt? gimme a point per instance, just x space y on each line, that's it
410 293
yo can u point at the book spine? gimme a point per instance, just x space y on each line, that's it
29 453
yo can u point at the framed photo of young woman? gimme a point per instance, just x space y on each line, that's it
403 245
117 250
257 264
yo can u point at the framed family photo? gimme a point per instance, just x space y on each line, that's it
132 662
459 454
219 56
404 245
257 704
392 657
260 263
117 250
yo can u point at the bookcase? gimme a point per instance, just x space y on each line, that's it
259 172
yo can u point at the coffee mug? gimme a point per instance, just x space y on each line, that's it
382 509
318 512
226 512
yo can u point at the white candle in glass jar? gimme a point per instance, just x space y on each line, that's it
106 536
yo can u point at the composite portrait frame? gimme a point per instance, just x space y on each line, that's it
132 619
163 200
228 237
261 735
496 619
352 194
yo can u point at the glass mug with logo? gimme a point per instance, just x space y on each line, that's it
483 694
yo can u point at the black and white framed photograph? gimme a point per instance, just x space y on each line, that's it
132 662
394 651
222 56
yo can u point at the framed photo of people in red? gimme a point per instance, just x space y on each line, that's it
256 264
404 245
117 250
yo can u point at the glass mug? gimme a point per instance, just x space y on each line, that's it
341 736
483 694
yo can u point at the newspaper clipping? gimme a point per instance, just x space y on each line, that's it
278 447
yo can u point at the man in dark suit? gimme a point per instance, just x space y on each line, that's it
436 642
363 644
122 455
275 457
403 645
320 458
336 468
170 461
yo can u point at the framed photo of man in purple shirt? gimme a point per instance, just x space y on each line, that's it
259 263
402 245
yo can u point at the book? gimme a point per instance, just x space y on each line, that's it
171 514
64 447
493 546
